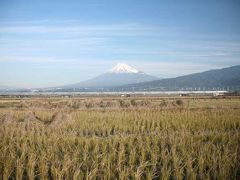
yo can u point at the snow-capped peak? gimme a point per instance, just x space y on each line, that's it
123 68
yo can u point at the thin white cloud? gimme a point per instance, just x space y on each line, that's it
160 68
53 60
108 29
174 69
97 37
73 47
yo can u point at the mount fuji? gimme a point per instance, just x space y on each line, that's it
121 74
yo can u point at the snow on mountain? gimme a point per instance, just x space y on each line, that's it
123 68
121 74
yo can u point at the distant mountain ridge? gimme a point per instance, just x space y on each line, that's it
225 78
7 88
121 74
126 78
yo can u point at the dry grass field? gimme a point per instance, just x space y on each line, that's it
119 138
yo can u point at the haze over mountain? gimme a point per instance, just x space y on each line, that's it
226 78
9 88
123 77
5 87
121 74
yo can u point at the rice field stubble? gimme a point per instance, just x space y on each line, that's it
119 138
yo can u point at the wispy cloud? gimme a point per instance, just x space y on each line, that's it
165 69
161 68
77 52
131 29
114 37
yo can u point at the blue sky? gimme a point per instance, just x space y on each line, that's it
54 42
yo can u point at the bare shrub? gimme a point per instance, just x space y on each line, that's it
179 102
144 103
163 103
89 104
124 103
133 102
